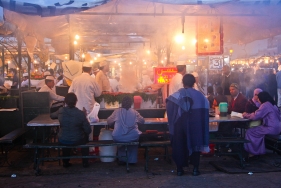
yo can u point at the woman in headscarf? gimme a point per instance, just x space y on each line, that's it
270 116
126 120
253 104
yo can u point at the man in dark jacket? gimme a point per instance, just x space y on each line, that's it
238 100
74 128
237 104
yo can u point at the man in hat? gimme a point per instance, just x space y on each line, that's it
238 100
41 83
237 104
49 84
228 77
101 77
25 81
176 81
85 88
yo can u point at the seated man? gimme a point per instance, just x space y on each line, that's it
238 100
74 128
49 84
237 104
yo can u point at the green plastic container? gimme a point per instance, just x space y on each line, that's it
223 109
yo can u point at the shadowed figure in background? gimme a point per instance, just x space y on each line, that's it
188 117
125 121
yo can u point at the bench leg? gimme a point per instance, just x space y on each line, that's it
5 150
241 156
146 158
36 155
37 170
127 163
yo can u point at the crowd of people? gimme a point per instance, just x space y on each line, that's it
187 108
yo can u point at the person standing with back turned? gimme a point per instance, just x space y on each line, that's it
188 118
86 89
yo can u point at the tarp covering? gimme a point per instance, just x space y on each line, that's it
50 7
120 25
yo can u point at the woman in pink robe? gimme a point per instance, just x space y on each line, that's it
270 116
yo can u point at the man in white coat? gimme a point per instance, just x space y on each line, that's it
25 81
176 81
49 84
86 89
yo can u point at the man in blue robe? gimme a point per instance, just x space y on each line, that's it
188 118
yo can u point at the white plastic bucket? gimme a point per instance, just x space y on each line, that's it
107 150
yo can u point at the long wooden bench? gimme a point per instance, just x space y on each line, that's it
220 142
151 144
7 141
38 159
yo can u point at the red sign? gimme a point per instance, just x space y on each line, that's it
164 75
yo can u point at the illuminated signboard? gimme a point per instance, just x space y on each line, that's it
209 36
164 75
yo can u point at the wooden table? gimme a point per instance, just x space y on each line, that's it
45 120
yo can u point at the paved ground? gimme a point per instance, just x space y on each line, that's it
161 174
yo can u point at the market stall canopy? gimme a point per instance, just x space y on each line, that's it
114 26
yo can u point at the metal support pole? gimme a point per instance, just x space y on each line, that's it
3 62
28 70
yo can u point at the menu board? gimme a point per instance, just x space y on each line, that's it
164 75
209 36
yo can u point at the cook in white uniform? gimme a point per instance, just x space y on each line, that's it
86 89
25 81
101 77
176 81
49 84
42 82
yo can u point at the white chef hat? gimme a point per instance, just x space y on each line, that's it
195 74
47 73
50 78
25 74
87 64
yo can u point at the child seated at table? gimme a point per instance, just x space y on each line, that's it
74 128
125 121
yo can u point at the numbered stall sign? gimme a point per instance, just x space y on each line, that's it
216 62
